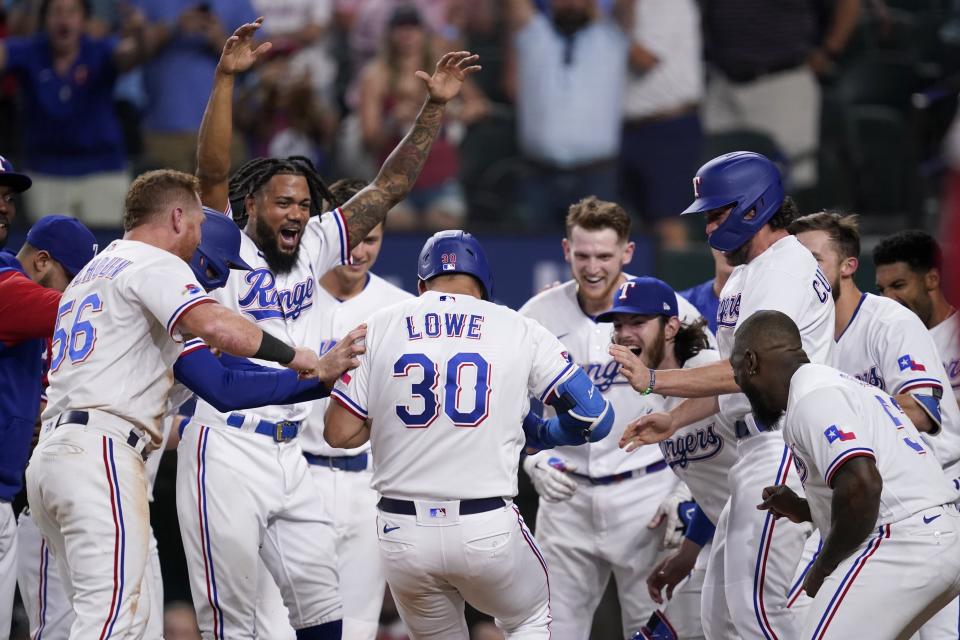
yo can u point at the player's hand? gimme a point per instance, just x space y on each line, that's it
648 429
239 52
452 69
306 362
631 367
344 356
550 479
814 579
782 502
671 571
668 515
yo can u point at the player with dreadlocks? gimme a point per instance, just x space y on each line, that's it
250 494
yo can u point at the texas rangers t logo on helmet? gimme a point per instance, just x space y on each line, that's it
696 186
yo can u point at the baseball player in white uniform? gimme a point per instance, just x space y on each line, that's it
753 557
226 518
645 318
237 384
346 297
106 399
591 498
891 552
441 398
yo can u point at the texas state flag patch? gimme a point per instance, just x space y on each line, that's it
191 289
834 433
906 362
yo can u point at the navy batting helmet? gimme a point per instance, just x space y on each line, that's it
219 250
746 180
449 252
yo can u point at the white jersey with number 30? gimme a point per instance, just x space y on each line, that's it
116 338
832 418
783 278
445 384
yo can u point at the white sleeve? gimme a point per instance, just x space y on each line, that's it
657 25
169 291
909 359
551 364
351 389
832 436
327 239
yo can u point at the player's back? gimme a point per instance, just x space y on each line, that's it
116 341
445 385
832 417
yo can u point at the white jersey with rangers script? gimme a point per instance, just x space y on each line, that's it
588 342
699 454
333 319
445 384
783 278
886 345
832 418
116 338
281 304
946 335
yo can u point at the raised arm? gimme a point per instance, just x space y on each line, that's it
216 130
711 379
399 172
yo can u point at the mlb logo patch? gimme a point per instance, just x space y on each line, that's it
192 289
449 267
438 512
834 433
906 362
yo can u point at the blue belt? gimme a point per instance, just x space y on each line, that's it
467 507
283 431
83 417
626 475
344 463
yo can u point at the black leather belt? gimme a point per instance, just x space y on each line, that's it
467 507
743 76
83 418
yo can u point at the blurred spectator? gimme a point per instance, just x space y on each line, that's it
184 38
567 72
180 622
299 28
11 183
662 136
73 141
390 98
765 59
284 116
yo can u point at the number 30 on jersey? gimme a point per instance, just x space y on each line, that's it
462 410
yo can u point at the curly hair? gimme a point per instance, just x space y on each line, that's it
252 176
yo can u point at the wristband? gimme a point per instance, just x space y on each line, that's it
651 384
274 350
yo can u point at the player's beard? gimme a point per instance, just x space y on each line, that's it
278 261
738 256
761 412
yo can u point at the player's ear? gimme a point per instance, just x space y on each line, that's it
932 279
176 218
421 287
566 250
849 266
671 328
628 253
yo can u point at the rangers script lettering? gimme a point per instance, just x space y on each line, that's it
262 300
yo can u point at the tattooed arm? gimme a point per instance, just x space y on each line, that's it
399 172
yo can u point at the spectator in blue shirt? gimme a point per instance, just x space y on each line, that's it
706 295
569 68
74 145
184 41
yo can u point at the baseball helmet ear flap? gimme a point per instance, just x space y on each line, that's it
450 252
219 250
748 182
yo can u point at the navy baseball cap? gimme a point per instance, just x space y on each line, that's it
19 182
66 239
643 297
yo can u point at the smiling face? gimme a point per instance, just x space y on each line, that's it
645 335
278 215
8 210
596 258
363 256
